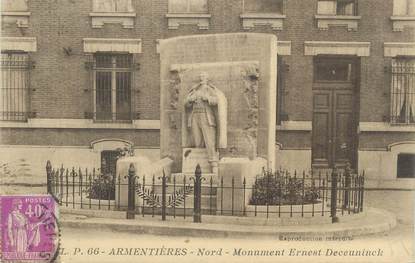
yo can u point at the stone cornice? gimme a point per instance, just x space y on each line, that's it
393 49
314 48
27 44
92 45
174 20
81 124
250 20
325 21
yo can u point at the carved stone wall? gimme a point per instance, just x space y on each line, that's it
240 65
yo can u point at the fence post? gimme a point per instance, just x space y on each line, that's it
347 182
163 196
131 192
333 201
49 177
197 215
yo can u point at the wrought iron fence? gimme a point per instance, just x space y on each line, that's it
270 195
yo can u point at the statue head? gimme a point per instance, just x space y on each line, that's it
204 77
17 204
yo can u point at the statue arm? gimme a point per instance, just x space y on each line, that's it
189 99
212 97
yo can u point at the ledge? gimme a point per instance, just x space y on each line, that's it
384 127
314 48
393 49
126 19
283 47
27 44
295 126
81 124
20 18
400 22
175 20
250 20
92 45
324 21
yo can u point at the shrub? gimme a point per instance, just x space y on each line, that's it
102 187
273 189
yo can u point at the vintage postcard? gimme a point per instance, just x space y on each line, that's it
207 131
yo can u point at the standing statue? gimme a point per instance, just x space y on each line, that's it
206 118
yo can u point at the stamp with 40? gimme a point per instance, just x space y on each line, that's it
29 228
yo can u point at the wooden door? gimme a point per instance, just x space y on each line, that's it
335 111
334 127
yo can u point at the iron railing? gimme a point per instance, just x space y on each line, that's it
270 195
14 90
403 91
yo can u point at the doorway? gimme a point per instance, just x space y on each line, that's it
335 112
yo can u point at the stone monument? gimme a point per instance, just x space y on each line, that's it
218 108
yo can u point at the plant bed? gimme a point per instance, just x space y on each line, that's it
274 190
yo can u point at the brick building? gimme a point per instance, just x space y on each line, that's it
82 78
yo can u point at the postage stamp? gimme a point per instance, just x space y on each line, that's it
29 228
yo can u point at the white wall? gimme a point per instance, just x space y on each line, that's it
27 163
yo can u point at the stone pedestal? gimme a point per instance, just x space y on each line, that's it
237 169
194 156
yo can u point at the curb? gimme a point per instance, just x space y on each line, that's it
376 221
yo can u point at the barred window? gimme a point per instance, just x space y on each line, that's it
188 6
112 87
337 7
403 91
14 91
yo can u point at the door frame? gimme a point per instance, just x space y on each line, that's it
331 87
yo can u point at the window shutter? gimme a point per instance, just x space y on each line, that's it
326 8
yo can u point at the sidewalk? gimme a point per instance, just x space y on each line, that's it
374 221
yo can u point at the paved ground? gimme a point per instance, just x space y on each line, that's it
110 246
120 247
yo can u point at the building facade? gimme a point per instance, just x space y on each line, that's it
81 79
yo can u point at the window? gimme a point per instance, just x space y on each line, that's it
188 6
404 8
14 90
337 7
15 12
14 5
109 162
112 6
263 6
406 165
333 70
403 91
112 87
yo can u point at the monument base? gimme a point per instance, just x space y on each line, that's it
194 156
143 167
233 196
